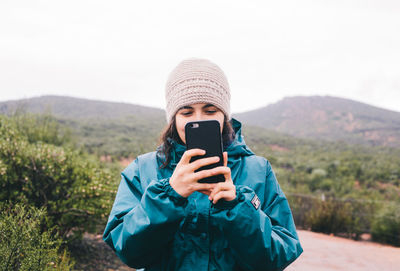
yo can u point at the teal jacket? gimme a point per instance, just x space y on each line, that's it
153 227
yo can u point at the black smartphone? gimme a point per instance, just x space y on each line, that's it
206 135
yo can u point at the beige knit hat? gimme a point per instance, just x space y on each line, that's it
197 81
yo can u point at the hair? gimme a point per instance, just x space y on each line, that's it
228 134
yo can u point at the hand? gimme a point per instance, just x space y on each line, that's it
185 181
224 190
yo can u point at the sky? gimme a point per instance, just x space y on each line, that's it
123 51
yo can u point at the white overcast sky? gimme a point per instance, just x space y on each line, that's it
124 50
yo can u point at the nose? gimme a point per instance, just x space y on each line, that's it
200 116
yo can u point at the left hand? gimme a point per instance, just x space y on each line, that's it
224 190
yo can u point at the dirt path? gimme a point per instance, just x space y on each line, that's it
324 252
321 252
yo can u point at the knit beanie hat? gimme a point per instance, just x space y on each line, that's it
197 81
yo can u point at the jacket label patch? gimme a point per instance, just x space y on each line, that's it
255 201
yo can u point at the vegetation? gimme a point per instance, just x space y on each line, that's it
334 187
23 246
386 225
75 189
114 138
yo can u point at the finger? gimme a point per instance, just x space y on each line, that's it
203 162
220 187
206 192
216 190
225 158
187 155
227 174
211 172
204 186
227 195
226 171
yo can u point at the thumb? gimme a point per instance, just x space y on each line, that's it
225 154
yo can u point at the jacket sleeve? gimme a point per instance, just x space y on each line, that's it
141 223
261 236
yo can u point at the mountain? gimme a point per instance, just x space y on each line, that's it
313 117
77 108
105 128
329 118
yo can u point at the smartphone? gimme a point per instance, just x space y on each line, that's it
206 135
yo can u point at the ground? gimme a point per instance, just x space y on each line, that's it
325 252
93 254
321 252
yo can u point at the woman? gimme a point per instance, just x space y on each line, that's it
163 219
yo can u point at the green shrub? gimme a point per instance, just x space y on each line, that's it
42 128
341 217
330 217
300 205
23 246
386 225
362 214
74 188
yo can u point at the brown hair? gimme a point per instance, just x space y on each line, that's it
228 134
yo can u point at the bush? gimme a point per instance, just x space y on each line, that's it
300 205
386 225
73 187
42 128
341 217
22 244
330 217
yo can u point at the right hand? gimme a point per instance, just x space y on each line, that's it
184 179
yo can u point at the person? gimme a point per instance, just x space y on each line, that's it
163 219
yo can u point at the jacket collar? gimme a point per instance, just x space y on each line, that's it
235 149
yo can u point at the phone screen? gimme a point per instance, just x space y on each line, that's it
206 135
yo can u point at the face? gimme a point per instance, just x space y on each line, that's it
195 112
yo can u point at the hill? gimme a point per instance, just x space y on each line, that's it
77 108
329 118
104 128
107 124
